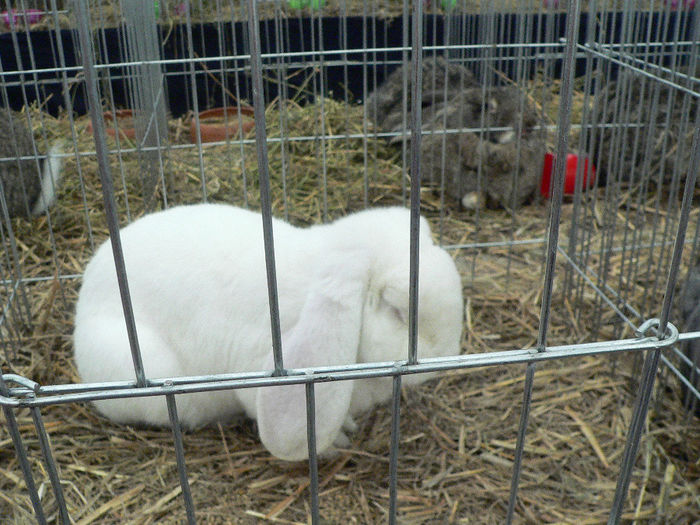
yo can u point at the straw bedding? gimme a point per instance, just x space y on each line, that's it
458 431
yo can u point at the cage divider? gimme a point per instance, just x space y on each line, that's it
195 96
687 383
579 207
97 118
107 86
180 456
405 16
394 447
256 67
17 293
70 113
13 260
516 172
313 455
365 109
282 103
520 440
54 476
416 132
23 458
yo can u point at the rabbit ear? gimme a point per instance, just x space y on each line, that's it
327 333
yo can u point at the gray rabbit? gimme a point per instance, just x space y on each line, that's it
495 166
498 165
442 80
663 142
480 172
26 191
690 310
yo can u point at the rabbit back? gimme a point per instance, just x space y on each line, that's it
195 274
441 81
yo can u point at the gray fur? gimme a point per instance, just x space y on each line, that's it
489 166
664 143
385 105
26 190
690 306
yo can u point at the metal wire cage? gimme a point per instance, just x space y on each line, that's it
627 89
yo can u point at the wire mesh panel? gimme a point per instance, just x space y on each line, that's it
552 148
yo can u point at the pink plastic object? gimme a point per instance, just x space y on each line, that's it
569 177
33 16
685 4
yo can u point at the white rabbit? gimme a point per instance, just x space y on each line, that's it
198 287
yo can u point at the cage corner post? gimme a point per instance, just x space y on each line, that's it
88 64
148 93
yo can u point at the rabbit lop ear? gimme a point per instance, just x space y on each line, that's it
327 333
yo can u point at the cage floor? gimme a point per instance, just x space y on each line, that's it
457 441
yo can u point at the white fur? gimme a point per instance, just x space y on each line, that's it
49 180
199 292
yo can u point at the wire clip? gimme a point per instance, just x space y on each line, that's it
668 339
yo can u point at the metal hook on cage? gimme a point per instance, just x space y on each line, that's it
22 381
669 338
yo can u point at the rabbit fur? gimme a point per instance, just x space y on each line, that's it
500 107
26 192
199 292
496 167
690 311
441 82
663 143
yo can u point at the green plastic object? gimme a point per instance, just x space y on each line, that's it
301 4
448 4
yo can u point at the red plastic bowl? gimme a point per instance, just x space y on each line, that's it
219 124
570 175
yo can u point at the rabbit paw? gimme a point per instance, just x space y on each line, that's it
472 200
349 425
341 440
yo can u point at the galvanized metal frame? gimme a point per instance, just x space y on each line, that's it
652 335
